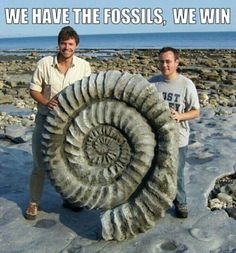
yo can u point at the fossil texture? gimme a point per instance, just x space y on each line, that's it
111 145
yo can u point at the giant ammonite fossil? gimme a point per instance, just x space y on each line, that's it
111 145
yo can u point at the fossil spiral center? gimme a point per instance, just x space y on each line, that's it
105 145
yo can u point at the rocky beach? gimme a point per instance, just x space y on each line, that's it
210 170
212 70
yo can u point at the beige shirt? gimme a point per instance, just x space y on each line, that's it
48 79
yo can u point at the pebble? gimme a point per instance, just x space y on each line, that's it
215 204
225 198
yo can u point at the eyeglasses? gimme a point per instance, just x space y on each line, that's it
167 61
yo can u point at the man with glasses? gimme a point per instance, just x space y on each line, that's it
182 97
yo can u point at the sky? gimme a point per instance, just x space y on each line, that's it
26 18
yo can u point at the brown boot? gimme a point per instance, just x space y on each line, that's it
32 211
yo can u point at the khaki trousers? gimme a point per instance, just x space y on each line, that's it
38 172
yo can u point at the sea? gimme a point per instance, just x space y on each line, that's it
187 40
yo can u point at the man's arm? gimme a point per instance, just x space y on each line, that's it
192 114
38 97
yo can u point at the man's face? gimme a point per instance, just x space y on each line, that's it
168 64
67 47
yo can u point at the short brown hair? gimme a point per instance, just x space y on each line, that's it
66 33
173 50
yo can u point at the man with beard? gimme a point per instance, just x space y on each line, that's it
52 74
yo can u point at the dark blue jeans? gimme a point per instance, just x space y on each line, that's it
181 198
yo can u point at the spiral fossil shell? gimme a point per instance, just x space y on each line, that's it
111 145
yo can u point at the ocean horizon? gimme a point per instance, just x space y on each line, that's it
188 40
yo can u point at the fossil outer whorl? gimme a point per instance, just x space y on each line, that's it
111 145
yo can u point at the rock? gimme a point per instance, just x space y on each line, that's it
232 189
6 99
199 85
227 90
204 98
231 212
215 204
34 54
223 111
11 92
224 101
12 84
16 133
210 85
104 151
3 114
203 231
32 117
27 122
225 198
1 84
213 102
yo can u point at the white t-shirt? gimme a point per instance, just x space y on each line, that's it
181 95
